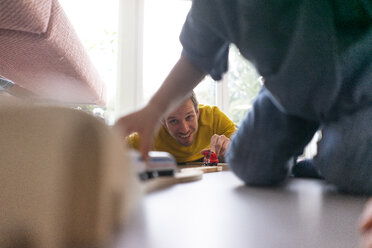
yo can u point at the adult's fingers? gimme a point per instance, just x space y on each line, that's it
204 151
214 141
224 142
219 144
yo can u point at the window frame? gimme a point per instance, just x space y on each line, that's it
129 89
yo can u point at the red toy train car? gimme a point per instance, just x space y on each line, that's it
210 158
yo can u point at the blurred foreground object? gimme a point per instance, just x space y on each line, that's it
65 178
41 52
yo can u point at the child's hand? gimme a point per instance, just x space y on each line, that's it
365 225
145 123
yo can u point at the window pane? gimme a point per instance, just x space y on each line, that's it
163 20
206 91
97 28
243 85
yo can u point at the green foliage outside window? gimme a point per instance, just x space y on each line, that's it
242 87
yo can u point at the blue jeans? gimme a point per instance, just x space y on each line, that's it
260 151
345 152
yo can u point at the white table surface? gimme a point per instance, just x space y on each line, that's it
220 212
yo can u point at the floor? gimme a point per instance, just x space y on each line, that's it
219 211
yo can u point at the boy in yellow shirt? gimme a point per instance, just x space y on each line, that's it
191 129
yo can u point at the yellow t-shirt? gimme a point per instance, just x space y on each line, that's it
211 121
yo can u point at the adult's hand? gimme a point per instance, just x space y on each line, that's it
219 144
365 225
145 122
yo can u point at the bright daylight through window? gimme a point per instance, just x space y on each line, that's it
234 94
96 24
97 28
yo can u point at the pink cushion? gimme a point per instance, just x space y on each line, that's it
41 52
29 16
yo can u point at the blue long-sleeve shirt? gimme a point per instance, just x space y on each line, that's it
315 55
